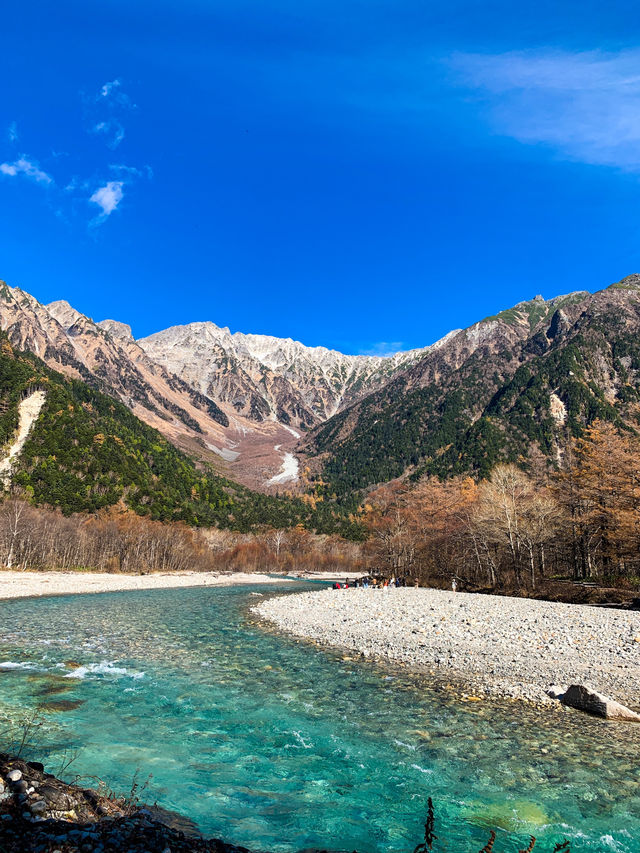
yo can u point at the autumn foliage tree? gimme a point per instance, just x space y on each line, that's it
392 539
511 522
600 491
439 519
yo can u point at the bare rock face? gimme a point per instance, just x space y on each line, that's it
116 329
264 377
106 356
586 699
246 398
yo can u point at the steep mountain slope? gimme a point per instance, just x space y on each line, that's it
230 400
522 380
525 378
265 377
106 356
85 450
71 342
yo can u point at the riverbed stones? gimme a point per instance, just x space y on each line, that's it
495 645
587 699
33 823
555 692
38 807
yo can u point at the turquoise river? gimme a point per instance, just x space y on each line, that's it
278 745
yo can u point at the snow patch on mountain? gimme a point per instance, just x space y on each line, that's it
293 432
223 452
28 413
289 471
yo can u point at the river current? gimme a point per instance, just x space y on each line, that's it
277 745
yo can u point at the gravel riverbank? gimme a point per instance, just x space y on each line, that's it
508 647
26 584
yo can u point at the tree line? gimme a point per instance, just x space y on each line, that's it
517 528
116 539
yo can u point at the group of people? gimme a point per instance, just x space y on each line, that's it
375 582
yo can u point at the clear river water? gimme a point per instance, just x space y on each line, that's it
278 745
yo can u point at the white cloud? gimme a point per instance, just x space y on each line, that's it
108 198
585 105
108 88
103 112
113 93
383 348
12 132
28 168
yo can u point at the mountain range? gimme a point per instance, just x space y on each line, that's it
512 387
239 402
272 413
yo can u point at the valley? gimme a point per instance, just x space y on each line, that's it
516 383
319 427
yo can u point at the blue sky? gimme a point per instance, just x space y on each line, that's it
363 174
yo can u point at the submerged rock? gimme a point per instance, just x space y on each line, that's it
586 699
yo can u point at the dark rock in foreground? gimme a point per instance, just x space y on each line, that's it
41 814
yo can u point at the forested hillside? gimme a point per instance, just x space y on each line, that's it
516 530
520 383
87 451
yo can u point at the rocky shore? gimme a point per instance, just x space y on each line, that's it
25 584
41 814
493 645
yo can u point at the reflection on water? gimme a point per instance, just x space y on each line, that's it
277 745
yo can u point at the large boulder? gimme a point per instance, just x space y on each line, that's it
586 699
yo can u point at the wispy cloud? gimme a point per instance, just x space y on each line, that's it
112 91
131 171
107 197
104 111
112 129
28 168
585 105
383 348
100 192
108 88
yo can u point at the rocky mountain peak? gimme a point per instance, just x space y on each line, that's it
120 331
64 313
266 377
628 281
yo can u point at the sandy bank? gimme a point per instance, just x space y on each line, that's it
325 576
24 584
495 645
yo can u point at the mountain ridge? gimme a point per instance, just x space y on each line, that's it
522 380
107 357
83 451
242 400
281 377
